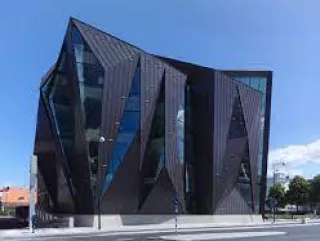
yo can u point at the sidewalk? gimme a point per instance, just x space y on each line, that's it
162 228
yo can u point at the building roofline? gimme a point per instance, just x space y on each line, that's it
74 20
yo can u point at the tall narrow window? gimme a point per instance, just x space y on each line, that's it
90 80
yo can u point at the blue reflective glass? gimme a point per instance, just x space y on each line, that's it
123 143
90 81
76 36
135 88
133 103
244 80
129 126
130 122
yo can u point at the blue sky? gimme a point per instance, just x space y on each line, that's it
283 36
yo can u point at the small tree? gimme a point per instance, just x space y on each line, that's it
277 193
299 191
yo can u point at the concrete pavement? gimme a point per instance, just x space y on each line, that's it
124 232
276 233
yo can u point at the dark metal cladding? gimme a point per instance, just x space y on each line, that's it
123 192
224 96
152 71
160 199
194 132
174 90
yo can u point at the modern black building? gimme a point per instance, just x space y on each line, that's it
127 131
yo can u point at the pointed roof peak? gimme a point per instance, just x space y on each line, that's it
78 22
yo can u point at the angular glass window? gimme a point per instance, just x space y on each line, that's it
58 102
90 80
154 159
237 126
128 129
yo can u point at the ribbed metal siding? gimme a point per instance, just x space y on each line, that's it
233 203
109 50
174 90
119 61
152 71
224 97
251 104
159 201
228 177
123 192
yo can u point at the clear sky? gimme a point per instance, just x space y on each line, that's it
283 36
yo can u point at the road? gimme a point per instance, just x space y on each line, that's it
296 233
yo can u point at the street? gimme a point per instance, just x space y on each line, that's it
298 233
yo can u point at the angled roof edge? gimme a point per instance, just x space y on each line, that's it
75 21
252 72
47 74
248 72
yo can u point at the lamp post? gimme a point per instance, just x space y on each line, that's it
101 141
274 183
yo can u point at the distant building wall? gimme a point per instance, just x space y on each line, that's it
15 196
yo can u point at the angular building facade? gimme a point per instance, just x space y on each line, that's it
122 131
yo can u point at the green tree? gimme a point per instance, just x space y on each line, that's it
299 192
277 193
315 191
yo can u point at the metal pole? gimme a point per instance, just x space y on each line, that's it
99 214
273 199
32 190
176 211
176 224
101 141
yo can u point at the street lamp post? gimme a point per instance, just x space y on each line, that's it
101 141
274 183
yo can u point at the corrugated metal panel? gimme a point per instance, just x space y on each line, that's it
117 85
109 50
159 201
123 192
233 204
174 90
224 97
229 174
152 71
251 103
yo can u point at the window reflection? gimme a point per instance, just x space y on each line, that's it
90 78
180 130
129 126
56 95
258 83
238 131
